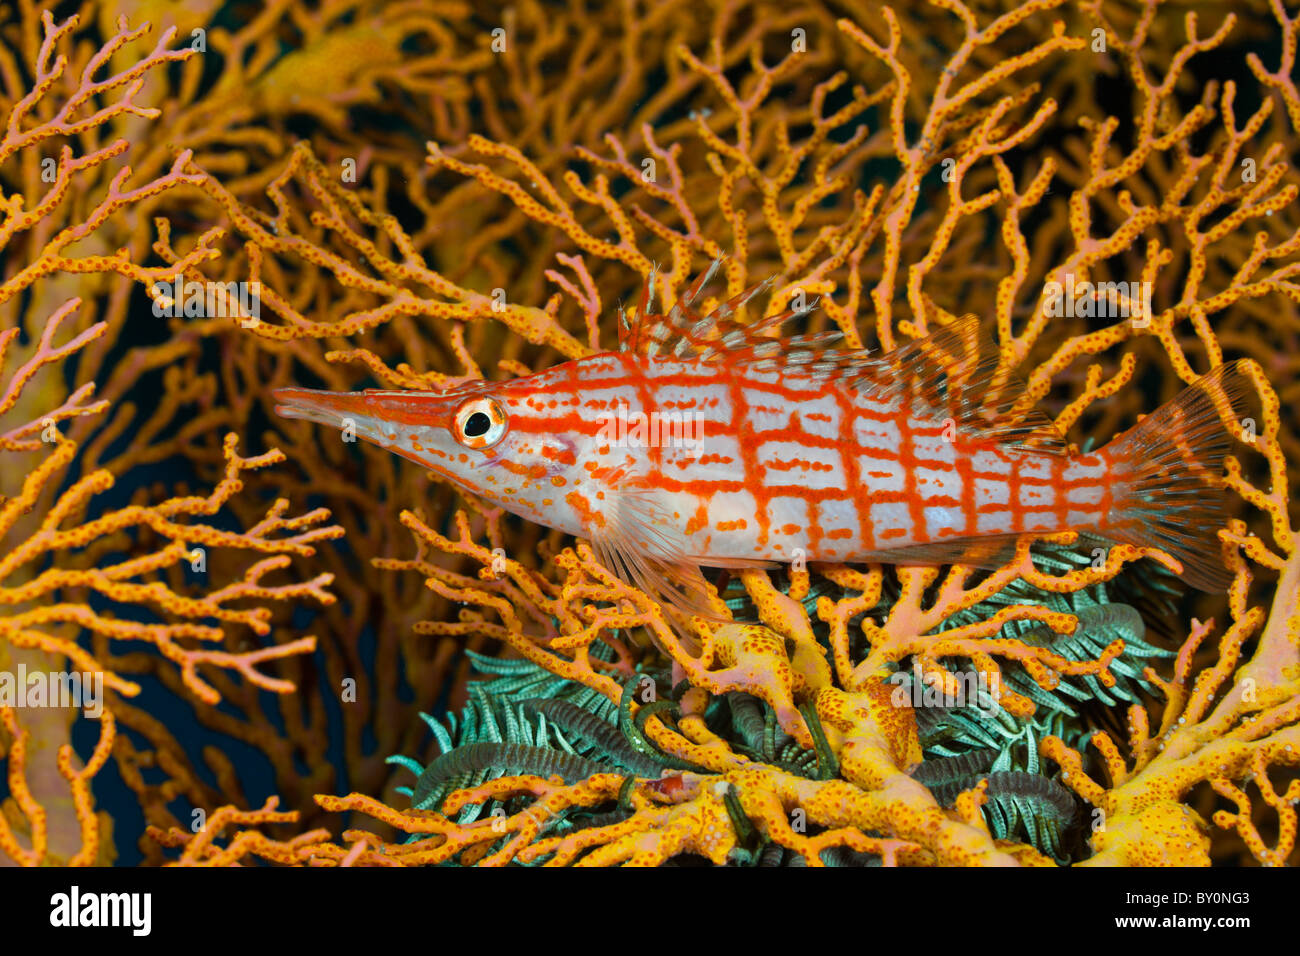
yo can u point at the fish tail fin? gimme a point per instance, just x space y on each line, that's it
1168 475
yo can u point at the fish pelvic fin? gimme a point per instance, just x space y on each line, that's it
1168 486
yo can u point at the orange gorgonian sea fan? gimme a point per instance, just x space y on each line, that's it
470 194
80 570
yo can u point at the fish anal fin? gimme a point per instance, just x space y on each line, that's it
987 552
736 564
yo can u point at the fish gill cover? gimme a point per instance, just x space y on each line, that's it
293 647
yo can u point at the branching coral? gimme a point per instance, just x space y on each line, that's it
902 166
69 586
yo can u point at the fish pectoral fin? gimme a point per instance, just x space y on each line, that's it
677 584
641 544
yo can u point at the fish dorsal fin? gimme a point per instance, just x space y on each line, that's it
683 333
955 371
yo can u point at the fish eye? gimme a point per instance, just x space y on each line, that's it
480 422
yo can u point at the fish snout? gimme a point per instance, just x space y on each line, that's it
365 409
312 405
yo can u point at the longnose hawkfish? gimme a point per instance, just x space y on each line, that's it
706 442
